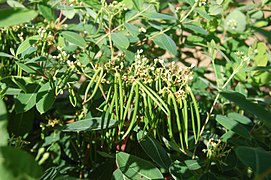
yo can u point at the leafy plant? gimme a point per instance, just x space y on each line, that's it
140 89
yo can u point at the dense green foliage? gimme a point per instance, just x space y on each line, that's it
135 89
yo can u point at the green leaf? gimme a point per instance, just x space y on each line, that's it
89 124
27 44
2 54
47 12
196 28
232 125
136 168
21 123
15 4
154 150
67 10
18 164
192 164
74 38
158 16
120 40
29 68
257 68
227 135
261 59
95 4
258 159
3 124
118 175
262 78
11 17
235 21
171 145
190 2
25 101
45 98
133 30
165 42
202 12
69 13
52 138
177 170
215 9
253 108
240 118
138 4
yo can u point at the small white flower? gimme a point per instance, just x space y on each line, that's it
161 61
246 59
64 53
232 23
142 29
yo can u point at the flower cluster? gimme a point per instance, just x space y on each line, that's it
116 8
216 150
153 71
201 2
244 58
232 24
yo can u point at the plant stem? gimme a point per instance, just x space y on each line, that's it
110 38
215 101
118 27
191 10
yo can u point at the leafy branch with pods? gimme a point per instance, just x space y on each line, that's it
135 89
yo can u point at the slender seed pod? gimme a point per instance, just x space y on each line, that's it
169 121
90 84
180 103
196 111
72 97
155 97
64 79
106 102
193 120
96 86
185 122
157 86
159 83
134 117
150 107
116 99
178 120
112 104
146 110
120 96
128 104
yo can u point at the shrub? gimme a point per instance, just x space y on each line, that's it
135 89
